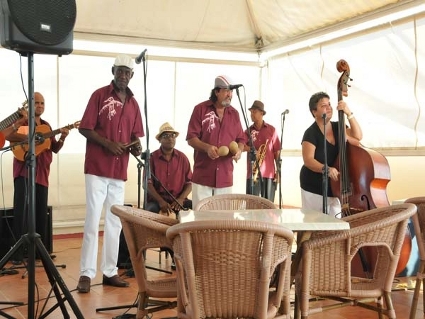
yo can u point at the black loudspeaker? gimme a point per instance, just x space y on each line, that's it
38 26
6 229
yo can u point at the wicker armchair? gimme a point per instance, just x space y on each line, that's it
327 257
143 230
234 202
419 224
224 268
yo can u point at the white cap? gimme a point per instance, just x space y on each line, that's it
124 60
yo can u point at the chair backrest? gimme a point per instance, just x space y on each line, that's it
234 202
383 229
419 223
224 267
142 230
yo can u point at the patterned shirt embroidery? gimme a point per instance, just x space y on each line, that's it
110 106
254 135
210 117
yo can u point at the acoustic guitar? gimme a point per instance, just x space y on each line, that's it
43 135
8 121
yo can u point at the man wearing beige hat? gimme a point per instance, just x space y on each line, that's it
214 123
171 175
111 123
266 145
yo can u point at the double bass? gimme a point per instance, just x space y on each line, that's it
362 182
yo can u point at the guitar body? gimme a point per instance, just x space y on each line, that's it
20 151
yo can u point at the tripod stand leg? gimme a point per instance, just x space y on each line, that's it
3 314
3 262
12 303
56 280
12 250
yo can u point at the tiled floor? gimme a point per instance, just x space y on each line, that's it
67 251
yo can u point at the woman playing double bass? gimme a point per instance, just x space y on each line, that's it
311 174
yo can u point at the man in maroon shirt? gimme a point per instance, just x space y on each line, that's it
267 146
171 174
111 121
214 123
20 177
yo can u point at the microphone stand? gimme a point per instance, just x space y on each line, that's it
325 169
145 155
252 152
279 162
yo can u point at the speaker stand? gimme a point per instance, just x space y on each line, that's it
32 238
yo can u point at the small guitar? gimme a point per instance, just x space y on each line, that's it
8 121
43 134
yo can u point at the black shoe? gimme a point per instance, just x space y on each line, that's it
173 266
114 281
16 262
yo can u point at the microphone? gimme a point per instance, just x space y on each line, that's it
141 56
235 86
285 112
324 116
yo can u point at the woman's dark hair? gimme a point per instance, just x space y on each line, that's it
314 99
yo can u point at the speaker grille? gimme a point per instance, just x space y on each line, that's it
46 22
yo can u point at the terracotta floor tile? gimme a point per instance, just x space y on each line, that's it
67 251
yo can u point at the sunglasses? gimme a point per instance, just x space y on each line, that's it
168 135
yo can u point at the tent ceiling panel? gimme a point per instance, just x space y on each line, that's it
232 25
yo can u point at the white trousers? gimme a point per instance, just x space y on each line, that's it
315 202
101 193
200 192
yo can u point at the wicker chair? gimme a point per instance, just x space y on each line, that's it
327 257
419 224
224 268
234 202
143 230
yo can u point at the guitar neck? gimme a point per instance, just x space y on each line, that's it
9 120
57 131
52 133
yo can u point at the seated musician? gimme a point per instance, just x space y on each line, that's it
171 176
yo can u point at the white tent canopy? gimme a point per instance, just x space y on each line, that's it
235 25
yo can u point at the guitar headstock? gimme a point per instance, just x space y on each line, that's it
23 111
76 124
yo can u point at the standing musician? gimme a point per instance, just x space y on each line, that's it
111 122
20 176
171 175
313 152
214 123
267 146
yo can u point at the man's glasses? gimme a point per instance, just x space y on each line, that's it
168 135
